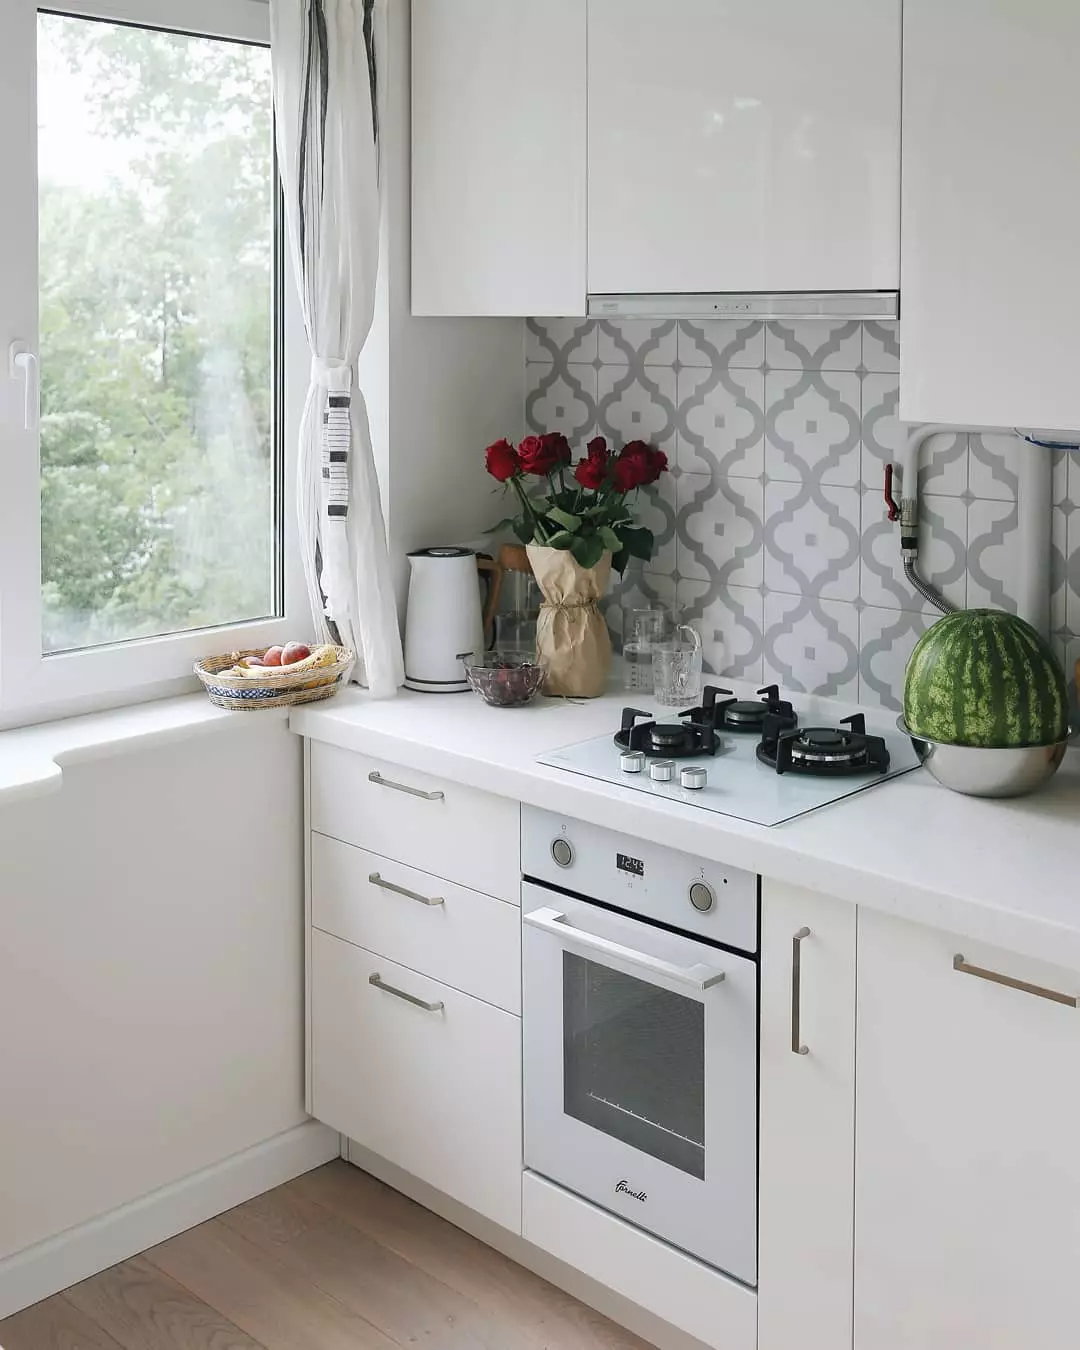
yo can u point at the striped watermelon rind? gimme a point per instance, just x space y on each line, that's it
985 678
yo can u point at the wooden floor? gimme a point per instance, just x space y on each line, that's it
332 1261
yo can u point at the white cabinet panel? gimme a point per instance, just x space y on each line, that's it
967 1203
436 1091
498 157
991 172
807 1132
739 146
717 1311
430 823
458 936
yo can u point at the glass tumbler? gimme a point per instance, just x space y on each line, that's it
676 669
644 631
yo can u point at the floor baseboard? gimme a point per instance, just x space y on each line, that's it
63 1260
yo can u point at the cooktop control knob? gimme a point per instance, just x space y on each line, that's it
702 896
632 761
694 777
562 850
662 770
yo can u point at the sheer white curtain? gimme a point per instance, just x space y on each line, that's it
323 56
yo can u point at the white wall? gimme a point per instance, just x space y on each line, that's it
438 390
151 1013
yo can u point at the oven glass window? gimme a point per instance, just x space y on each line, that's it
634 1062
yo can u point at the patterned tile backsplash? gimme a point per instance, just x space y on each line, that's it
771 529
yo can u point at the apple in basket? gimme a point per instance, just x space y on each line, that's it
291 652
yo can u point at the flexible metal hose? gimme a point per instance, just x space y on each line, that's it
928 593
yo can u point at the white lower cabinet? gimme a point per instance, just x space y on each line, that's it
425 1076
807 1127
967 1185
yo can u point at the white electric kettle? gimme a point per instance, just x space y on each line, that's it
444 620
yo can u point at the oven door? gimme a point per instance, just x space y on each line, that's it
640 1074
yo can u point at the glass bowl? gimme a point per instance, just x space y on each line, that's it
504 680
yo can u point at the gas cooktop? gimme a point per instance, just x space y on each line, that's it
754 759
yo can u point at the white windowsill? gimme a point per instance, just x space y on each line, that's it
33 759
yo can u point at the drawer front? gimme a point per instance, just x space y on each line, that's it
429 823
461 937
436 1091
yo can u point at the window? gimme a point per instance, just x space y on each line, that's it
143 437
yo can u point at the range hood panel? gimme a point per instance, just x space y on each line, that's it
749 305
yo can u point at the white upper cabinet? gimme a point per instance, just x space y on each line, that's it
967 1194
741 146
991 171
498 157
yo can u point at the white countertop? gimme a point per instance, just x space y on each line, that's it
1002 872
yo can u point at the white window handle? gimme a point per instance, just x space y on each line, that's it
699 978
23 365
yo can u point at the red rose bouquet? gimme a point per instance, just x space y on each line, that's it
584 508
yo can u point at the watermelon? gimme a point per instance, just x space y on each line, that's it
985 678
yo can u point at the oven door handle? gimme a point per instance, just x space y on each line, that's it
698 978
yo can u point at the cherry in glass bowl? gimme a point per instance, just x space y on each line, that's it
502 679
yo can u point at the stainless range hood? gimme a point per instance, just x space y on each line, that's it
749 305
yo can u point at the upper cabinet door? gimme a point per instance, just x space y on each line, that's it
741 146
991 259
498 157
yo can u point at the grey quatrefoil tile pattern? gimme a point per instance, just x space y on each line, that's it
771 530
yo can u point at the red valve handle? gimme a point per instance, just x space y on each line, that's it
894 510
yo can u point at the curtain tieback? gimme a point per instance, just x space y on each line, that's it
332 373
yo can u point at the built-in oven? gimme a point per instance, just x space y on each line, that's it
640 1025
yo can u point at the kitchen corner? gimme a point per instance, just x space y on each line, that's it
1002 872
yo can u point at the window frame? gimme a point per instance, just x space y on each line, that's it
33 685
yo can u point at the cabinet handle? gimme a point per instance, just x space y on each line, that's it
995 977
796 992
377 981
375 777
385 885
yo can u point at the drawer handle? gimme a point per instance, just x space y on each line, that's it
797 1047
995 977
375 777
379 983
385 885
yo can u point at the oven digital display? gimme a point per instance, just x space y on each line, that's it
625 863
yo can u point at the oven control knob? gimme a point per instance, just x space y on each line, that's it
662 770
562 850
702 896
694 777
632 761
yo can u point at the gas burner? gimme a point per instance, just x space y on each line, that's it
670 740
845 749
747 715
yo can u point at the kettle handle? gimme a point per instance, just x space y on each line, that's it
495 582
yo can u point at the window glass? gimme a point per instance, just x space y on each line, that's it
159 464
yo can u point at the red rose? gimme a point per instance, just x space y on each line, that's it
555 443
501 460
638 464
593 470
539 455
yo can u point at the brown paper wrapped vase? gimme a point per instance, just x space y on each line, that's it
572 639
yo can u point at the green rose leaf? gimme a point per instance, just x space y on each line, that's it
563 539
610 539
637 541
587 549
564 518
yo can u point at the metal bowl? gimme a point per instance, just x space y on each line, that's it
979 772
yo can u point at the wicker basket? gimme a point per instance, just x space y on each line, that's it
285 689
